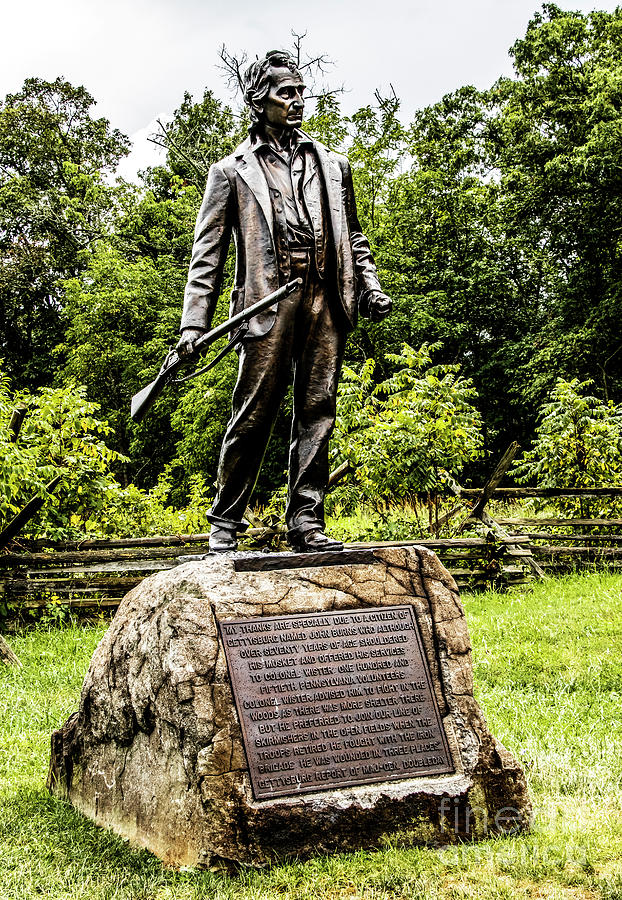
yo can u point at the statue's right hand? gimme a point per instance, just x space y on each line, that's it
186 341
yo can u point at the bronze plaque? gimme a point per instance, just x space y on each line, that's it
328 700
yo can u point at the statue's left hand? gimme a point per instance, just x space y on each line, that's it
377 306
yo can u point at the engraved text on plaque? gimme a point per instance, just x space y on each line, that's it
328 700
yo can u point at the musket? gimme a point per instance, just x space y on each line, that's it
144 400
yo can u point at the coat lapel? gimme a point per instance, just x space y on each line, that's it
250 170
310 170
333 182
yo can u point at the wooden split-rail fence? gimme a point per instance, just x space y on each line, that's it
96 574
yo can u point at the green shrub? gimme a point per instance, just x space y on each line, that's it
399 435
62 436
578 444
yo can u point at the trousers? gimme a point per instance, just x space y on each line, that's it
307 342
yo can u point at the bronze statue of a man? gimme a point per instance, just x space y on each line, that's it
289 202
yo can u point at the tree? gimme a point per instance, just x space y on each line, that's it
199 135
53 205
375 146
556 141
455 275
122 313
121 319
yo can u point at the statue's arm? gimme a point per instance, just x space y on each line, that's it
373 302
212 236
364 265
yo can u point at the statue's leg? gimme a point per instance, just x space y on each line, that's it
264 374
318 354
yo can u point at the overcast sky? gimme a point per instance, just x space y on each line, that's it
138 56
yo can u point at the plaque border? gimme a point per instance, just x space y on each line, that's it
260 795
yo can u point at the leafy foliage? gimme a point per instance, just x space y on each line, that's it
120 323
578 444
200 134
122 314
63 436
60 436
53 203
556 141
401 434
494 217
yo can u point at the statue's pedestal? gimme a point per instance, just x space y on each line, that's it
240 711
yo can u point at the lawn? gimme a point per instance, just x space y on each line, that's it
548 669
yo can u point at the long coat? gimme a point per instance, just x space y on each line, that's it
237 200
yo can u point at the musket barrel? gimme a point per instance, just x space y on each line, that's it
246 314
145 398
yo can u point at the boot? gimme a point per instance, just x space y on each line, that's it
313 542
223 539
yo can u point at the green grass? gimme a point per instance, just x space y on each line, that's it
548 669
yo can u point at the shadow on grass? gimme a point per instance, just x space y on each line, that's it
36 821
47 847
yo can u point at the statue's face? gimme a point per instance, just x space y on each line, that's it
284 105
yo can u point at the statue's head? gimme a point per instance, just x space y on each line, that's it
273 90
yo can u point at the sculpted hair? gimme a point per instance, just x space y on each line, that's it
257 78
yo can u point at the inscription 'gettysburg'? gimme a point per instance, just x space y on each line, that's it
332 699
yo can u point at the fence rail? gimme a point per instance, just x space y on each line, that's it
100 576
96 574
